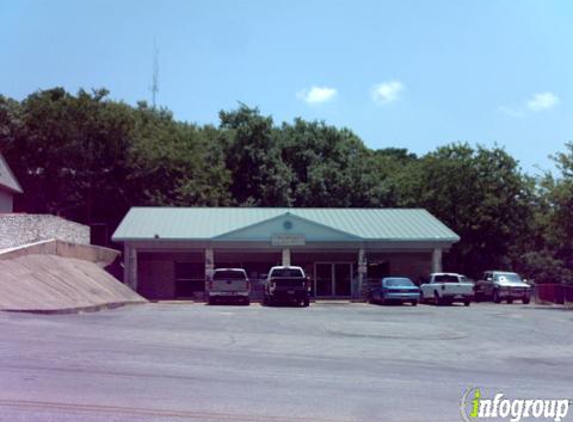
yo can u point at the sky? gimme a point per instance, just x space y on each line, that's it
413 74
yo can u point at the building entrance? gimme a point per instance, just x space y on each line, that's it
333 279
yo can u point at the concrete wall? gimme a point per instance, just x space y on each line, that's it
6 201
49 283
21 229
96 254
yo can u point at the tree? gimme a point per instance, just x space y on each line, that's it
550 255
259 177
174 163
329 165
479 193
69 151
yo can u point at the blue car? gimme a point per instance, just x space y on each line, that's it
395 289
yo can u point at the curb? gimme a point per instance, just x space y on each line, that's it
81 309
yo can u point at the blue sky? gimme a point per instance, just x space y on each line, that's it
411 74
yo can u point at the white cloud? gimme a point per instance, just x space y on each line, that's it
543 101
538 102
386 92
317 94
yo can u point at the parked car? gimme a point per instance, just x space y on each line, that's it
286 284
447 288
502 285
228 284
395 289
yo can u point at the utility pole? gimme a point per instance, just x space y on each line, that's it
155 83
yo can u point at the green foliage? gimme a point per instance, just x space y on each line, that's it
543 267
326 163
177 164
479 193
259 177
69 152
550 255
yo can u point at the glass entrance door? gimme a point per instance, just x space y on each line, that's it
323 280
333 279
342 279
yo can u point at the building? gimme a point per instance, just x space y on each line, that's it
169 251
8 187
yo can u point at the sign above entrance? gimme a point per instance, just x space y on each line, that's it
288 240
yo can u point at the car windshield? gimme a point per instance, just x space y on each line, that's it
395 282
287 272
229 275
511 277
446 278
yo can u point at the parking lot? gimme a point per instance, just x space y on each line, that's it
328 362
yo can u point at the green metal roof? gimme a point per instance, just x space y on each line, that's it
200 223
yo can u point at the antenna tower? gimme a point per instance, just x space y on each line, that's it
155 82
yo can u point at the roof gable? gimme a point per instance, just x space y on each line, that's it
287 224
7 178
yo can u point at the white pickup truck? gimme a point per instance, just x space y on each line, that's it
446 288
228 284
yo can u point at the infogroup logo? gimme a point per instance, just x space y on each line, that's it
475 405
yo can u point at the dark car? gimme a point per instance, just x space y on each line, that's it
286 284
395 289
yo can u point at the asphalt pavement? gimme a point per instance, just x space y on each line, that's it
328 362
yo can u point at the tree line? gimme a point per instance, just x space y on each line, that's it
88 158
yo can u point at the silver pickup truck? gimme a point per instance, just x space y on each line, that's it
446 288
503 285
228 284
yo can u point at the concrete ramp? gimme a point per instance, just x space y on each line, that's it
39 280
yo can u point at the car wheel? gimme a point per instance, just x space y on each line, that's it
211 301
306 303
496 297
509 301
414 303
526 300
422 300
370 299
438 299
247 302
467 303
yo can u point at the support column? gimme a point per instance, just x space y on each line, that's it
209 262
437 260
286 257
362 269
130 266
